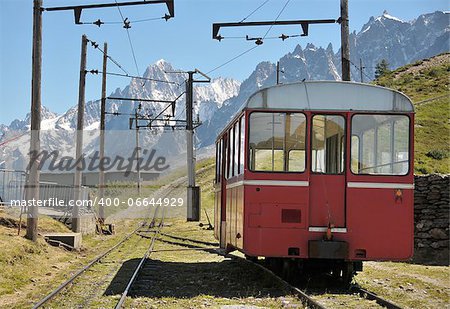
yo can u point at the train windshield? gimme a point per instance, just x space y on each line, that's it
380 144
277 142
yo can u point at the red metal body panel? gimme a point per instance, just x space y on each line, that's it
327 200
376 223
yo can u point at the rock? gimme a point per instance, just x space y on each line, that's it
423 235
435 245
437 233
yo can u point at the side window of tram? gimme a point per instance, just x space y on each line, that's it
219 160
217 163
237 137
230 153
242 147
277 142
382 145
327 149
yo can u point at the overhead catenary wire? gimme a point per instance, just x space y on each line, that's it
254 47
96 46
232 59
254 11
276 19
135 77
127 26
359 68
99 22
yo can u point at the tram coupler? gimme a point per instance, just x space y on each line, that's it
328 249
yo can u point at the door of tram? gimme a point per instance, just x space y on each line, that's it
327 177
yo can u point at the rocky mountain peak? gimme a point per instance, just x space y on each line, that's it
382 37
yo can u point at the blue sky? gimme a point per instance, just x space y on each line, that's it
185 41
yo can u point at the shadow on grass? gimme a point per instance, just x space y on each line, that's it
227 279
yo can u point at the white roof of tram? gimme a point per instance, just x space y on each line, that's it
330 95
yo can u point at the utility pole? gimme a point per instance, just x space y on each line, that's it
101 172
138 168
345 43
79 146
193 192
278 72
361 68
32 185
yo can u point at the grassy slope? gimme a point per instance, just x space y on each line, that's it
424 80
29 270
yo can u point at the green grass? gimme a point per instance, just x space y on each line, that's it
205 179
427 79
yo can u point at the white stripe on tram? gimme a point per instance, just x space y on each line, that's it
380 185
235 184
324 229
287 183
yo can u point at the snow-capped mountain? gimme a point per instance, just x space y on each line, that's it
383 37
400 42
58 131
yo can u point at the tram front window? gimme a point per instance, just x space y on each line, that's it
277 142
328 137
380 144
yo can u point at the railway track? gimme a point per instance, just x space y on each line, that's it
305 297
143 263
95 261
150 224
147 270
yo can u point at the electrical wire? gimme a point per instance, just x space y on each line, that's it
100 22
129 38
254 11
254 47
232 59
359 68
138 77
95 45
276 19
147 19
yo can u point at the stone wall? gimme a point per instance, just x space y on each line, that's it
431 217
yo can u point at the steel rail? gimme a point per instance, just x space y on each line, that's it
305 298
143 259
372 296
81 271
97 259
189 239
311 303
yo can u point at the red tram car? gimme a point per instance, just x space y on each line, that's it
318 175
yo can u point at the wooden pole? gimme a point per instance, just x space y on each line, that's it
193 203
32 184
101 173
79 146
345 43
138 168
278 72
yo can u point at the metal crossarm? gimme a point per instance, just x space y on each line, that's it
77 9
304 24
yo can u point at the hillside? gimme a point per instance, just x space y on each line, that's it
426 82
